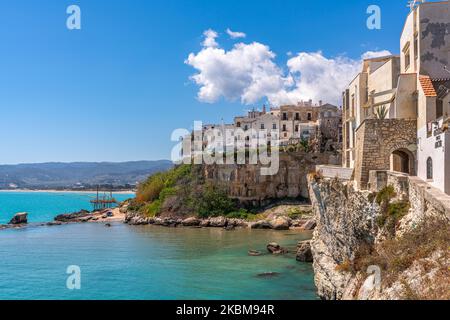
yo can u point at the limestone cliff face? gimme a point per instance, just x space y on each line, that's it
246 183
347 223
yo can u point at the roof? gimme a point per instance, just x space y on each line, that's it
427 86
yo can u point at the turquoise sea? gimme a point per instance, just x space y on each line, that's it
44 206
144 262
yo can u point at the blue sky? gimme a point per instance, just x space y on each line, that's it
116 89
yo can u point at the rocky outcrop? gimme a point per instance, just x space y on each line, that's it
304 253
349 237
281 223
275 248
19 218
273 221
191 222
74 217
218 222
246 184
345 222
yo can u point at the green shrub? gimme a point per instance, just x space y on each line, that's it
240 214
151 189
152 209
212 201
393 214
386 195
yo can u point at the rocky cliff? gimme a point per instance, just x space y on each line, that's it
391 243
246 184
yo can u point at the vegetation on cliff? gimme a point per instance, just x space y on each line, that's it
391 211
183 191
424 248
420 252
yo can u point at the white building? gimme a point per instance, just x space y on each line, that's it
425 57
414 86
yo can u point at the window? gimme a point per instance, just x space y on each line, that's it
238 124
352 111
407 56
297 116
246 127
416 47
439 108
285 117
296 128
274 126
309 116
430 169
262 126
284 128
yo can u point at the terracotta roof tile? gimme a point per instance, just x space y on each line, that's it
427 86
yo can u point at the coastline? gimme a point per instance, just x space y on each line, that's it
66 191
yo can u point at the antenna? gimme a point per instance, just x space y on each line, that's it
413 4
446 69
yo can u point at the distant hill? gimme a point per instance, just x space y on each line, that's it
78 175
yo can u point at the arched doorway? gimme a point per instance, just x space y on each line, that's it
402 161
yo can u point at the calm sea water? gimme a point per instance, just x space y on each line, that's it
148 262
44 206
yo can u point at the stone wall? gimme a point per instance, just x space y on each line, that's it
246 184
376 140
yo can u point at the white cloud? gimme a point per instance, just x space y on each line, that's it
375 54
235 35
210 39
248 73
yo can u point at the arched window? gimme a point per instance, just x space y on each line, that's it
429 169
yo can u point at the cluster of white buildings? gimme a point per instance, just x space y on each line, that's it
414 85
288 125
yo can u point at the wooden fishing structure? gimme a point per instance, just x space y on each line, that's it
103 202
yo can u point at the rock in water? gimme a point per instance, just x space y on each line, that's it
262 224
281 223
218 222
268 274
190 222
19 218
254 253
275 248
204 223
304 253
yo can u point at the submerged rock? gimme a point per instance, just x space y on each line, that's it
254 253
54 223
268 274
19 218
